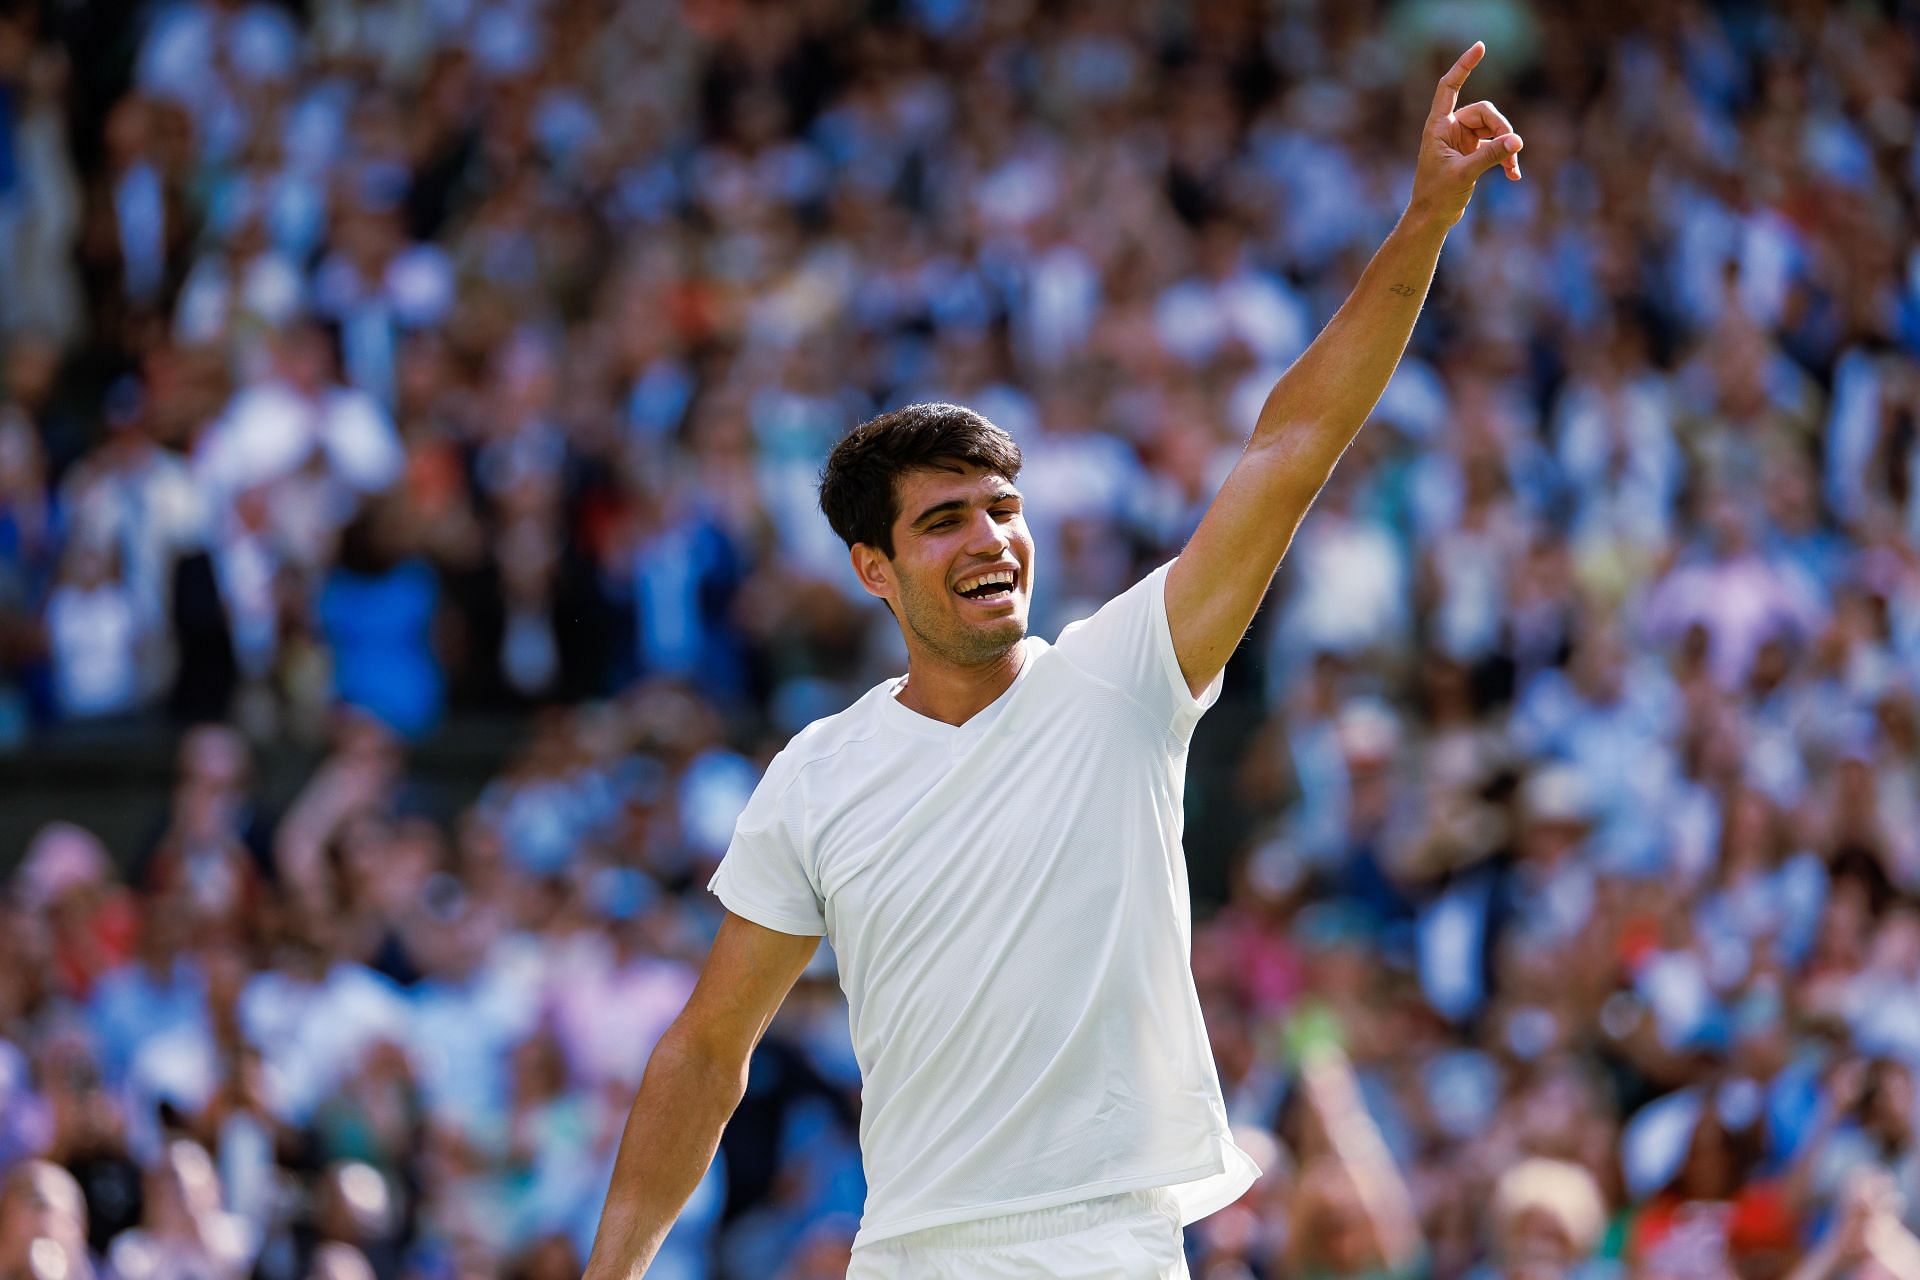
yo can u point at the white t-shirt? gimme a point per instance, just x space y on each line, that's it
270 430
1007 900
94 632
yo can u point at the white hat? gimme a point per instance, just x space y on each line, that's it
1367 730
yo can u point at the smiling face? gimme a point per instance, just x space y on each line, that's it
961 574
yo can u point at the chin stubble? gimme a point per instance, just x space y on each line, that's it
969 646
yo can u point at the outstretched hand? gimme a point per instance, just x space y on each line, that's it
1458 144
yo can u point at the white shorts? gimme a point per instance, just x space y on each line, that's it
1135 1236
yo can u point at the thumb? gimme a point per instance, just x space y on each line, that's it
1493 151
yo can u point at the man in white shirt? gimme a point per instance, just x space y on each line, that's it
992 843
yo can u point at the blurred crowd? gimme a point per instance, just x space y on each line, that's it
364 362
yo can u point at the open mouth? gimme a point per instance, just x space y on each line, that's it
992 587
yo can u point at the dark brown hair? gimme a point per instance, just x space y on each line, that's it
859 489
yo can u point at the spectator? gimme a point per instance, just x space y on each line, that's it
1547 1219
95 636
67 876
39 192
377 613
29 551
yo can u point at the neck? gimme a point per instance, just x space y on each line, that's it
955 694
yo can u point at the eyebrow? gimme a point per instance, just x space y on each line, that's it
959 504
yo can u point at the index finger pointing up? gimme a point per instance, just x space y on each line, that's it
1448 94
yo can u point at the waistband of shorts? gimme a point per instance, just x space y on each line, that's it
1036 1224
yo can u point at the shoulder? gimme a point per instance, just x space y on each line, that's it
827 739
1146 598
1125 634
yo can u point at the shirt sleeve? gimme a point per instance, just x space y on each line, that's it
1129 644
763 876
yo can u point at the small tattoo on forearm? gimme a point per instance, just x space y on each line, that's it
1404 290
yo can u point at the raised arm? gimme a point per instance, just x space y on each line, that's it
694 1080
1867 1227
1315 410
1355 1143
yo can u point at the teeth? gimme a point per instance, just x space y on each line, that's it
1002 576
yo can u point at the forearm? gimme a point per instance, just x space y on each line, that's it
1356 1142
1309 418
672 1132
1319 404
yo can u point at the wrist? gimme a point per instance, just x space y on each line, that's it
1425 219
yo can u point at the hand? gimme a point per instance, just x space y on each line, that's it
1458 144
1866 1198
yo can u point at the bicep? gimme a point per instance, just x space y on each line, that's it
747 974
1215 587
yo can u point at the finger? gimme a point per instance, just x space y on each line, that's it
1448 92
1484 119
1493 151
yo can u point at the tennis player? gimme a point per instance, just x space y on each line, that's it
992 842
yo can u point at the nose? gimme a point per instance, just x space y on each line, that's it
985 535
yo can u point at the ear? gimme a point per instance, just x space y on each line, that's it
873 569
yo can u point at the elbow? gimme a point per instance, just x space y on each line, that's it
689 1052
1299 455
